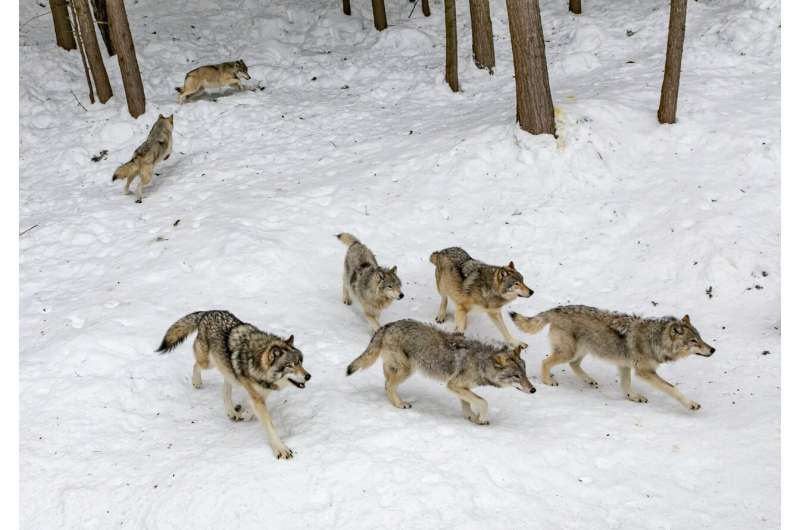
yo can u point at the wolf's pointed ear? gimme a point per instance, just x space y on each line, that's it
393 270
290 340
161 116
268 355
511 265
685 319
676 329
501 273
518 350
500 360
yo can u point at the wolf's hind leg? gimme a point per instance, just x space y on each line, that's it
654 379
395 374
625 381
200 361
555 358
144 180
128 182
580 372
441 316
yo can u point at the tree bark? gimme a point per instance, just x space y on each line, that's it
77 33
92 49
379 14
101 17
534 103
668 107
575 6
64 37
346 7
451 45
482 37
426 8
126 54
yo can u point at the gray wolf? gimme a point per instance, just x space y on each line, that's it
374 287
212 76
462 363
474 284
629 341
259 362
156 147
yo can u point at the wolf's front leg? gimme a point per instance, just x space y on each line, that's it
625 381
497 318
472 400
260 408
346 300
373 321
654 379
441 316
461 318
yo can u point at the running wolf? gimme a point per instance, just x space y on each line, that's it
462 363
474 284
260 362
374 287
156 148
213 76
629 341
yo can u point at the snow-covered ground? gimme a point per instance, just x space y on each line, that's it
356 130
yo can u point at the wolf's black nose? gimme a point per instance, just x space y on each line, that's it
308 376
533 390
401 296
713 350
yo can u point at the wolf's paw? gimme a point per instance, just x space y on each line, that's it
281 451
197 384
347 302
592 383
636 398
240 413
550 381
474 418
440 319
138 201
402 405
693 405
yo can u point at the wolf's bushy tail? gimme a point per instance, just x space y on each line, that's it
126 170
370 355
347 239
532 324
179 331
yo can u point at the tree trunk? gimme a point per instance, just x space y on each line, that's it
575 6
482 38
426 8
668 107
126 54
534 103
101 17
451 45
379 14
92 49
64 37
77 34
346 7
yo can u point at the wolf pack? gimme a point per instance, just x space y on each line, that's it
262 362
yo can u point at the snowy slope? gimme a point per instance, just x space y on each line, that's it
619 212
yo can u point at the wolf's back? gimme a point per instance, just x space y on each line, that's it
178 331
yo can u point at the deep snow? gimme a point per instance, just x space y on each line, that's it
619 212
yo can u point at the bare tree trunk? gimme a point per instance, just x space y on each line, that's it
534 103
482 37
126 54
379 14
668 107
92 49
64 36
83 55
346 7
451 45
575 6
101 17
426 8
